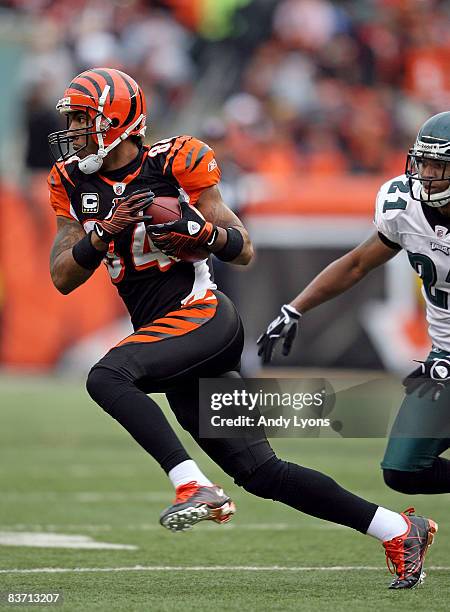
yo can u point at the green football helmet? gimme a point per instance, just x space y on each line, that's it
432 145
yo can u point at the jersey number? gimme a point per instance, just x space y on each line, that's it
426 269
144 255
162 146
400 203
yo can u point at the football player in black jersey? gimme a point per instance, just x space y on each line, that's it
184 328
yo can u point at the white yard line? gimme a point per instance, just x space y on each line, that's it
203 568
56 540
87 497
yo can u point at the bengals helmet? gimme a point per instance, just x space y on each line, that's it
432 143
115 109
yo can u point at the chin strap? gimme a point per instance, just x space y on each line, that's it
435 200
92 163
438 202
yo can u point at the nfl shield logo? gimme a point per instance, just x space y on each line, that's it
440 231
119 188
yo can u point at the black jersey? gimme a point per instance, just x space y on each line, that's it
149 282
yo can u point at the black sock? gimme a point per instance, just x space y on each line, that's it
319 495
311 492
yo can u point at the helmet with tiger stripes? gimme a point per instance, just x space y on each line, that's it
115 108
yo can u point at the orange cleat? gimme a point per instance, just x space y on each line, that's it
406 553
194 503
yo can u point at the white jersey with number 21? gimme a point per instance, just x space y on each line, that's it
402 220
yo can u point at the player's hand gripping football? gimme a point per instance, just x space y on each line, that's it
285 327
190 232
430 377
123 213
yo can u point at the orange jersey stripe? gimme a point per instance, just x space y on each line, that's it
171 332
179 323
59 199
138 338
198 313
179 142
207 298
189 311
178 320
62 169
195 168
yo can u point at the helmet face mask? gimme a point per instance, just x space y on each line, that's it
115 109
428 162
61 143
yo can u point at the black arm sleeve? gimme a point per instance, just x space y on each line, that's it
389 243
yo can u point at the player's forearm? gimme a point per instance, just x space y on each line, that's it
66 274
235 247
246 254
332 281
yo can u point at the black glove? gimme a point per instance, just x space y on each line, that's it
188 233
284 326
124 212
430 377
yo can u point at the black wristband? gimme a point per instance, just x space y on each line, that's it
86 255
233 245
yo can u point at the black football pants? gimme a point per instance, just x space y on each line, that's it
205 339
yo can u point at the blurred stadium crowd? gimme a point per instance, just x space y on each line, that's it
289 90
323 87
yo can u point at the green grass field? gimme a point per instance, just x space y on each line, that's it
68 468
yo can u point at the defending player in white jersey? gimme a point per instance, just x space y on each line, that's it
412 213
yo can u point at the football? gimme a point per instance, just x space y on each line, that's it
164 209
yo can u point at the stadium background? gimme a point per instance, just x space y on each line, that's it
310 105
